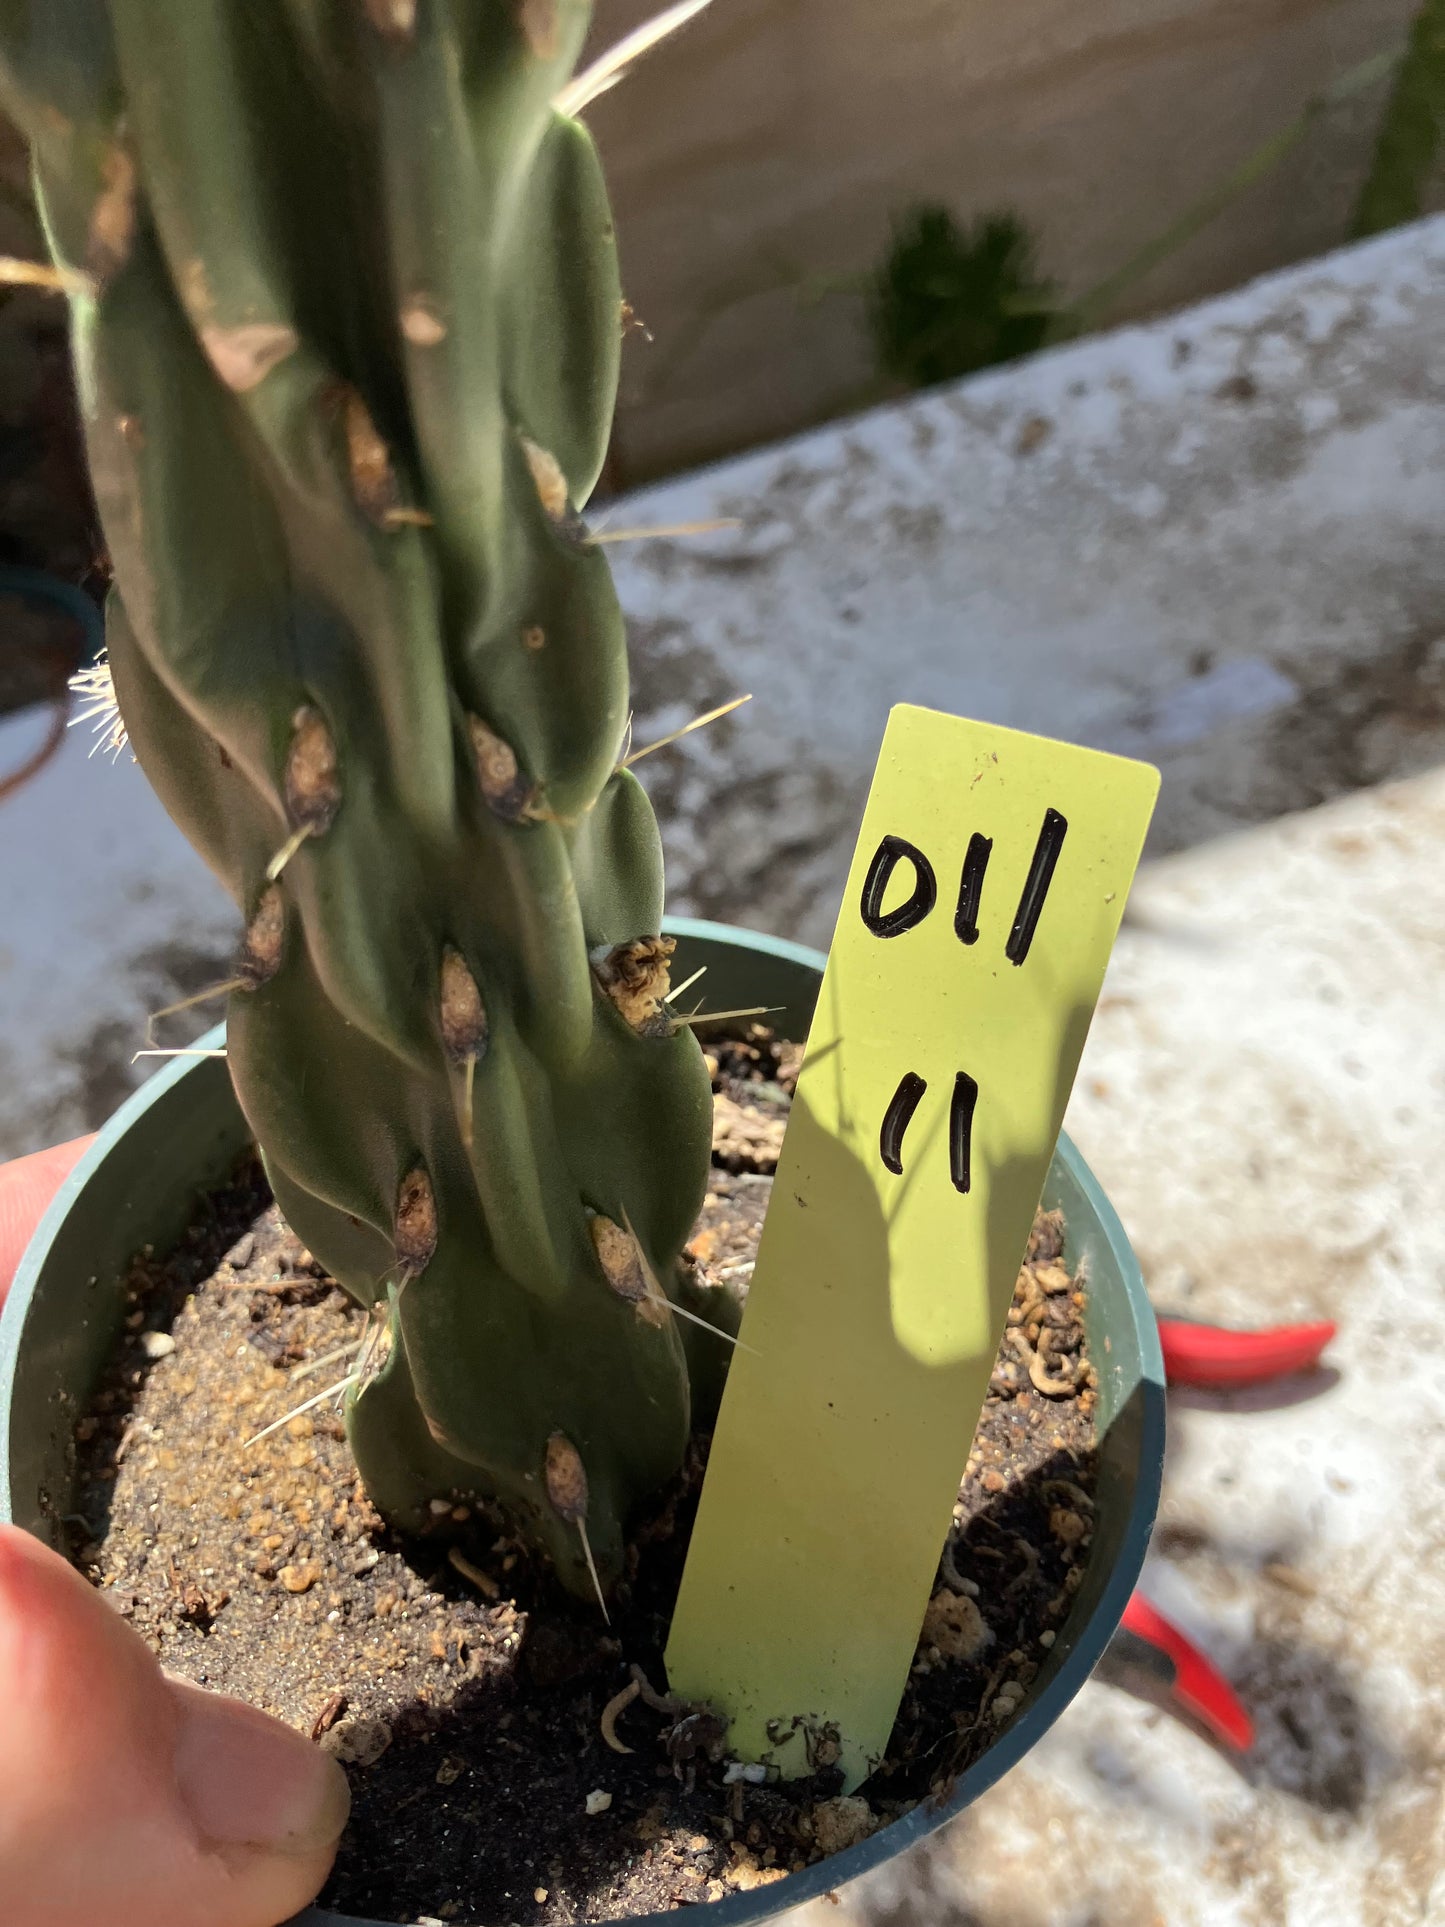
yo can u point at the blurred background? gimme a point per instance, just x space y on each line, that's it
761 169
771 165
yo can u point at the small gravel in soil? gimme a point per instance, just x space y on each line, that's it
463 1692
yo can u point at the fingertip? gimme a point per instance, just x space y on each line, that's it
132 1798
267 1807
250 1780
26 1187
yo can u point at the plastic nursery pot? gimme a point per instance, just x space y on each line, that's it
183 1133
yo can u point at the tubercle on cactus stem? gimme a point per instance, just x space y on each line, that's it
465 1030
112 218
258 960
624 1264
373 481
464 1018
415 1231
550 482
635 976
505 789
421 324
538 21
566 1479
620 1257
660 1298
244 355
313 792
260 957
395 19
373 477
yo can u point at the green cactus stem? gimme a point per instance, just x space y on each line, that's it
347 331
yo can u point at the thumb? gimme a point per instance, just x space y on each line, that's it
136 1799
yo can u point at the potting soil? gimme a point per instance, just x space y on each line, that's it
470 1700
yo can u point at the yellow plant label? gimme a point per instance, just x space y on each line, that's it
983 901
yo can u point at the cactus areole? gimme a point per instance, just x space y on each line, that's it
347 322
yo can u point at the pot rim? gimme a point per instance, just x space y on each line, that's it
1023 1731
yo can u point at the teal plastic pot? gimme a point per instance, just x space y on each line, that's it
182 1134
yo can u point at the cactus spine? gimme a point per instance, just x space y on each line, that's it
347 339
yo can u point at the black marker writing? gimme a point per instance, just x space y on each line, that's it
875 885
897 1118
960 1130
970 888
1036 887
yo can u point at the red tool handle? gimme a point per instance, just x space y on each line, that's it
1214 1355
1197 1684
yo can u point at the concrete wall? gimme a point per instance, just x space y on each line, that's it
775 139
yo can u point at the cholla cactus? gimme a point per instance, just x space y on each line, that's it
347 322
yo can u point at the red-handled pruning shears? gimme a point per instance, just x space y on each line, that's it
1214 1355
1210 1356
1155 1645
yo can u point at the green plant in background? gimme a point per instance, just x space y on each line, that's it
948 300
1409 137
347 323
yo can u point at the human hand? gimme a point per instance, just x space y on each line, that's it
127 1797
